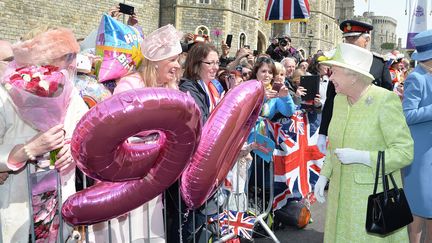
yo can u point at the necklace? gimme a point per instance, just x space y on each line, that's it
352 101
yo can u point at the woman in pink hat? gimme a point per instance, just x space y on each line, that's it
159 68
23 142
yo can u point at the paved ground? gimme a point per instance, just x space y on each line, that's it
313 233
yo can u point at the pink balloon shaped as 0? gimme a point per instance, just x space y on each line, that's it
140 171
222 138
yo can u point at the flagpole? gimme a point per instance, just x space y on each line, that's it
369 6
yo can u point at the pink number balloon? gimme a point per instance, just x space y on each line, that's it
140 171
222 138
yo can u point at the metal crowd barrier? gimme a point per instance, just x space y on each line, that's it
81 233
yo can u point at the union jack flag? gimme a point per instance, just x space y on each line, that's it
297 160
279 11
240 223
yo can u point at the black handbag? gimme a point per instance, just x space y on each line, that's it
387 211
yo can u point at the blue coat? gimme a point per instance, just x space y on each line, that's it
417 106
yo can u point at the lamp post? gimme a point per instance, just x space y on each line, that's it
310 36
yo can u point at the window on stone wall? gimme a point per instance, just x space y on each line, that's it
202 30
204 1
302 28
243 5
326 30
242 40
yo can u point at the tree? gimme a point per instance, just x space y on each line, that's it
388 46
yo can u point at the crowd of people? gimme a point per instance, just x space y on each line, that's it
364 103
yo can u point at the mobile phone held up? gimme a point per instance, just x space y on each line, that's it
277 86
126 9
229 40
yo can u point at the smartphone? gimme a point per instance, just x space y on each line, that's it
126 9
229 40
277 86
311 84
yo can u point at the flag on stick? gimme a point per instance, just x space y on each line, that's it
283 11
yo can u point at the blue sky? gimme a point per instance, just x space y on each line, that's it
392 8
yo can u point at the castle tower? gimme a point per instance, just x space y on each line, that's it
344 10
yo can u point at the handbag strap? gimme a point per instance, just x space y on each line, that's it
377 172
384 177
381 160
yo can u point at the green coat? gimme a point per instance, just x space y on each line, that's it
375 122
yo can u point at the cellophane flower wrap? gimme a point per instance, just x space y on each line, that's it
40 80
45 202
40 94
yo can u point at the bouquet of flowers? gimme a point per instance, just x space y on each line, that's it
40 94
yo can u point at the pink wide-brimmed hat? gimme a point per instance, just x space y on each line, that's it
162 43
45 47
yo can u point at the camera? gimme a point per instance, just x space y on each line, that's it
283 42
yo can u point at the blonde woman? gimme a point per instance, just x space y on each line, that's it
161 50
159 68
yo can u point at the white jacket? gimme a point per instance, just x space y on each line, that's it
14 212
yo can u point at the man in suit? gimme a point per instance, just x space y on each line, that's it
355 33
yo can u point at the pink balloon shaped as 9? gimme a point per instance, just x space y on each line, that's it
143 170
222 138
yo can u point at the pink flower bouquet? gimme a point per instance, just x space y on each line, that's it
40 94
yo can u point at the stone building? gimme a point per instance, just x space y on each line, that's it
18 16
243 19
321 32
344 10
384 32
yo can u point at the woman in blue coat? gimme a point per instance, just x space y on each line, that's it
417 106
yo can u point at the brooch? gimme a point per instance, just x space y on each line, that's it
369 100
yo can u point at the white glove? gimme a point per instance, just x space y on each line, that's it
353 156
322 143
319 188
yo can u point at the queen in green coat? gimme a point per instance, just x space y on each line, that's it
366 119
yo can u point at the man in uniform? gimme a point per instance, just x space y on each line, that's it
356 33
